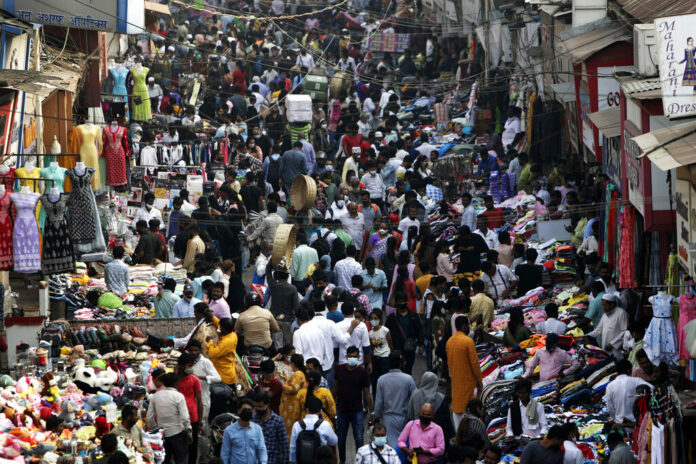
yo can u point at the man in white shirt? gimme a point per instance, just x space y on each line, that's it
147 211
621 394
184 307
346 268
326 434
552 324
358 337
425 148
488 235
308 339
512 129
499 280
533 423
334 337
304 59
612 326
363 125
407 222
354 225
373 182
469 213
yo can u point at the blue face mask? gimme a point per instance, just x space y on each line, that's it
275 156
353 362
380 441
340 203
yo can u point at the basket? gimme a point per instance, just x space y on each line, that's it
303 192
283 244
340 81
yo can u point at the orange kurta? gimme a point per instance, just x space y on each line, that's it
464 370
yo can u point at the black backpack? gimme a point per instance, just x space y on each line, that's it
353 299
273 173
321 244
308 440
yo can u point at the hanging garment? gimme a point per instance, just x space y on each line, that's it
55 173
82 211
657 444
687 313
5 233
58 256
660 341
9 179
25 235
141 111
34 186
115 151
90 147
119 74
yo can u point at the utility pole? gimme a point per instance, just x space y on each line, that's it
484 16
37 98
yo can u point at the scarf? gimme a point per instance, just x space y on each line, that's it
516 415
427 393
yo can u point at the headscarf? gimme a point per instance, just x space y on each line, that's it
327 260
427 393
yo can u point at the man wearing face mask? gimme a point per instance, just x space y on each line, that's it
422 437
378 451
274 434
184 307
243 442
612 326
204 369
552 361
354 225
373 183
190 386
147 211
338 208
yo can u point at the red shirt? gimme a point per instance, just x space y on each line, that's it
239 80
495 216
350 141
189 385
163 240
274 388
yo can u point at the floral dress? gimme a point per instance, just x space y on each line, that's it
290 408
328 405
660 340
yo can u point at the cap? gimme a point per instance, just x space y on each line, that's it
188 288
256 79
189 37
321 155
171 48
379 135
230 39
151 79
609 297
551 340
356 150
186 22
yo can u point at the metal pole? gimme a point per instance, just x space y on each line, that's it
484 3
38 109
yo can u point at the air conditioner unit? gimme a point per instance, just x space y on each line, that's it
645 49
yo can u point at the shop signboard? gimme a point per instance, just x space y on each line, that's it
612 159
677 62
387 42
122 16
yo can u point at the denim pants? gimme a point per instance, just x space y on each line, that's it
380 366
357 420
176 449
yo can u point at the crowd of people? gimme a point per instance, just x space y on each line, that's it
373 323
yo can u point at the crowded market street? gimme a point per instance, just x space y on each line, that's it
350 231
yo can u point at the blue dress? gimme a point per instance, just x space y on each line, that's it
660 341
119 75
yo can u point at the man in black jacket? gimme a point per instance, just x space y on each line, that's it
406 330
285 300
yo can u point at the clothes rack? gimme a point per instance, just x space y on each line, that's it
40 179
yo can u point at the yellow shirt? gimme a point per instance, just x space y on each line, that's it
193 247
481 304
224 356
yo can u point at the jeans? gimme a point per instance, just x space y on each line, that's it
193 447
409 359
176 449
330 376
380 366
357 420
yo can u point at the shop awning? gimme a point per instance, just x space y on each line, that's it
565 91
670 147
158 8
43 82
607 121
647 11
582 46
642 89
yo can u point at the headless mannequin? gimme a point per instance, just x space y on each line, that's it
139 66
55 147
54 194
29 166
54 164
4 169
80 168
26 189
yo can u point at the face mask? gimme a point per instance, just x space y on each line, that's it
188 370
261 412
382 231
353 362
257 136
340 203
425 420
324 126
188 298
374 322
380 441
275 156
148 207
329 168
246 414
373 173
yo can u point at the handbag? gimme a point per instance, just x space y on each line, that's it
410 343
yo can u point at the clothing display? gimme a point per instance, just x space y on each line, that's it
57 251
660 341
82 211
8 179
5 232
116 152
90 147
687 313
34 186
141 97
25 235
55 173
119 75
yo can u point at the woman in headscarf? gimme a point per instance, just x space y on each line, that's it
429 393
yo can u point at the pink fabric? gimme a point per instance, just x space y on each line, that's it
431 439
687 313
627 255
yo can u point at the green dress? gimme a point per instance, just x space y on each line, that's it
141 112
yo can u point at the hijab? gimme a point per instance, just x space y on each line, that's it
427 393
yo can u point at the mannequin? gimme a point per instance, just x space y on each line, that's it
80 168
4 169
118 74
90 139
660 340
25 189
55 146
8 174
54 194
29 166
116 151
25 237
141 97
58 250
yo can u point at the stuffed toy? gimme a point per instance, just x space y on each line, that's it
67 413
103 427
49 387
73 394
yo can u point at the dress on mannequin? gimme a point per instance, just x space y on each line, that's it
25 235
33 186
5 232
82 211
57 174
58 254
142 111
90 148
119 73
687 313
9 183
115 151
660 340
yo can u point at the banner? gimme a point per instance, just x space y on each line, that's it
389 43
677 61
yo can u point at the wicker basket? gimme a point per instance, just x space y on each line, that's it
340 81
284 244
303 192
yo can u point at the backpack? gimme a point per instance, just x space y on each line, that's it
353 299
307 443
321 244
273 173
